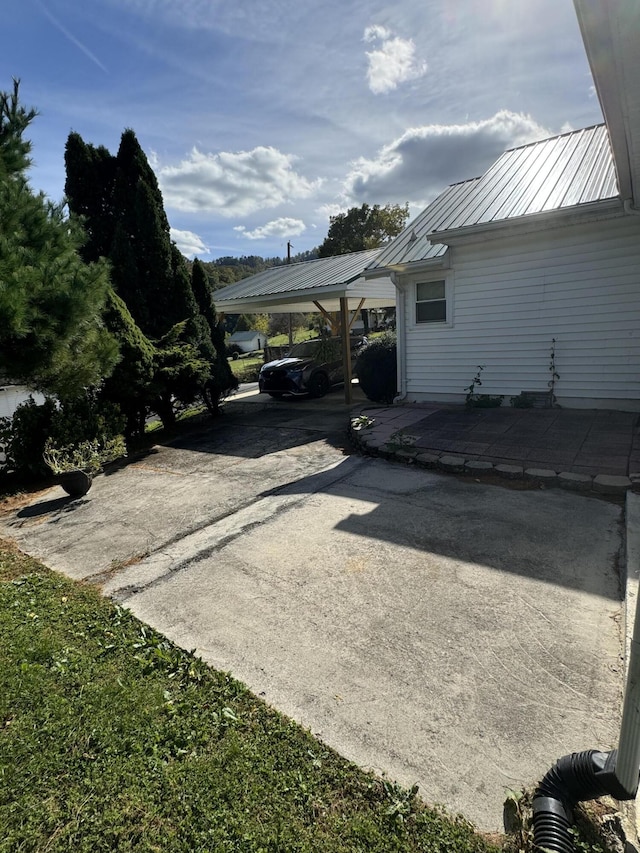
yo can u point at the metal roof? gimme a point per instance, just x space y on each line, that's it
564 171
610 36
412 244
295 287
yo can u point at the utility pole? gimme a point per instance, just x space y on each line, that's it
289 247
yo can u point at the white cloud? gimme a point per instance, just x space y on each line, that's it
420 163
393 62
233 183
331 209
190 244
376 32
283 227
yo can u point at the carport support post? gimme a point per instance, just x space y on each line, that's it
346 348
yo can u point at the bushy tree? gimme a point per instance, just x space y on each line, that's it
243 323
376 368
279 323
129 384
362 228
52 337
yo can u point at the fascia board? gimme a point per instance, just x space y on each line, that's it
533 222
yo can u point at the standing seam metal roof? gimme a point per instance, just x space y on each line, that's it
320 273
563 171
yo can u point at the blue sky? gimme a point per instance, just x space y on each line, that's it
262 118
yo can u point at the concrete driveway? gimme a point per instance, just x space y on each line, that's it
449 633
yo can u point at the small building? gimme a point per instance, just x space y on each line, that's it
249 341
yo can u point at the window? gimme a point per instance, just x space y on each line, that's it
431 302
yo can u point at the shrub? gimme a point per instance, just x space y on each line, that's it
87 456
233 350
376 368
249 374
24 437
69 423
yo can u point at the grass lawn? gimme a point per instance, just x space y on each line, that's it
113 739
298 335
245 365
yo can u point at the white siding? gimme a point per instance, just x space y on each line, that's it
510 297
12 396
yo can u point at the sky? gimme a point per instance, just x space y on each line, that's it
263 118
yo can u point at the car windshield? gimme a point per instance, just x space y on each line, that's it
307 349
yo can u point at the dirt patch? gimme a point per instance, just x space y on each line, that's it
17 500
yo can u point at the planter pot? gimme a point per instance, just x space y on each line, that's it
76 483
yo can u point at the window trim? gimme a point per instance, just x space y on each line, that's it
438 276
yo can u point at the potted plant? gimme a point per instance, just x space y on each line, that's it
76 465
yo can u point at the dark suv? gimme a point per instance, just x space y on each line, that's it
311 367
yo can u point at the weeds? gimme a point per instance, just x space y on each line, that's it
362 422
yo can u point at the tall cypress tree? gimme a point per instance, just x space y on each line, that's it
126 221
121 202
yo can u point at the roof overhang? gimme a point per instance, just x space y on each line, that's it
610 31
377 294
442 262
532 222
303 287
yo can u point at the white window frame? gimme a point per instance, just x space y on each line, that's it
429 278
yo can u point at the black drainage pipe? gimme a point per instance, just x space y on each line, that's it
573 779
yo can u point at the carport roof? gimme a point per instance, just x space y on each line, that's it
298 287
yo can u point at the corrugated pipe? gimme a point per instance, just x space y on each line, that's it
573 779
590 774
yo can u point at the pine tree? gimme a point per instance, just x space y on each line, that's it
51 332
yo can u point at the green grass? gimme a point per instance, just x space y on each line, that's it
113 739
298 335
246 366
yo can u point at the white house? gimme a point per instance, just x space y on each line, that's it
249 341
537 253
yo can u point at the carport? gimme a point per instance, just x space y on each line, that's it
333 286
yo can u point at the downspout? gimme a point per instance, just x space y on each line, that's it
629 208
590 774
400 341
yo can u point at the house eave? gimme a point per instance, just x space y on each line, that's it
533 223
442 262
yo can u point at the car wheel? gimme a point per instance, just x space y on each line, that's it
318 384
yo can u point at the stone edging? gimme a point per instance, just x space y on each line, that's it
602 484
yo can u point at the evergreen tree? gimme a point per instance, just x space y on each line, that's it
90 183
203 294
51 333
223 380
155 314
129 384
126 222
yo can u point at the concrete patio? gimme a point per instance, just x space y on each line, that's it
586 450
